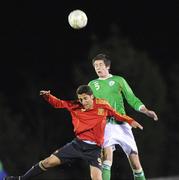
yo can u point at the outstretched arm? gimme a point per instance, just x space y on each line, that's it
125 118
135 102
128 119
43 92
54 101
148 112
135 124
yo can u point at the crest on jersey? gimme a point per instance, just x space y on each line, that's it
101 111
111 83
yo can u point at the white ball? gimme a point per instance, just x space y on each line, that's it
77 19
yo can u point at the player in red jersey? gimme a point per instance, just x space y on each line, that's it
89 120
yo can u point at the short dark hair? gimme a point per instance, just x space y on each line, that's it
84 89
103 57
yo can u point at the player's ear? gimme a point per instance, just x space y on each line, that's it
92 96
108 67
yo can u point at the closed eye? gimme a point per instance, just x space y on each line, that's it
80 100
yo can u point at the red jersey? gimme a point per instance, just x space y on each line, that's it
88 124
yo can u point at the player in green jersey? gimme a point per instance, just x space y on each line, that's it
114 88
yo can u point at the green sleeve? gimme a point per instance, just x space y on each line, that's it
132 100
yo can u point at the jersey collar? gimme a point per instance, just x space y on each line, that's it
108 76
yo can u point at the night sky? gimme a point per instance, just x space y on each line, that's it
38 46
39 29
35 34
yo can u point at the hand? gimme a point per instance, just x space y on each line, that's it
135 124
151 114
44 92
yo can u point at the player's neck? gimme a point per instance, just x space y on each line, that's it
105 77
88 106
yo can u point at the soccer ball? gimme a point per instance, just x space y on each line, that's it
77 19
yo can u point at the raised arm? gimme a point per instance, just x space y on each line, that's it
54 101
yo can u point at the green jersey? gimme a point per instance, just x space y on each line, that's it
113 89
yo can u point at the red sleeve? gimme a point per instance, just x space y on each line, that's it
118 116
57 103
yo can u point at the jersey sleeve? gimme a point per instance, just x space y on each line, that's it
89 84
57 103
118 116
132 100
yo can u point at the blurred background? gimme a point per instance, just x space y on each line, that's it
40 51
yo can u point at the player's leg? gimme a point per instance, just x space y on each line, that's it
92 154
107 162
42 166
95 173
58 157
108 147
136 166
38 168
128 144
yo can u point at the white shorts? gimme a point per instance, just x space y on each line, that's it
122 135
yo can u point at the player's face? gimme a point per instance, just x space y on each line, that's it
86 100
101 70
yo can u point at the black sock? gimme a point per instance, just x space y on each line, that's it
34 171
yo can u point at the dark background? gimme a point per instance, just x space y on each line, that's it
39 50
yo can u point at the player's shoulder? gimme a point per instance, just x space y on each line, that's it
101 101
117 77
92 81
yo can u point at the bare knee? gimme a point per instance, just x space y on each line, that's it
96 177
136 167
108 154
51 161
95 173
134 161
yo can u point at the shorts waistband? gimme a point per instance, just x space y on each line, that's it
113 120
89 142
86 141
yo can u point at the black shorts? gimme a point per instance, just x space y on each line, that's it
77 149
